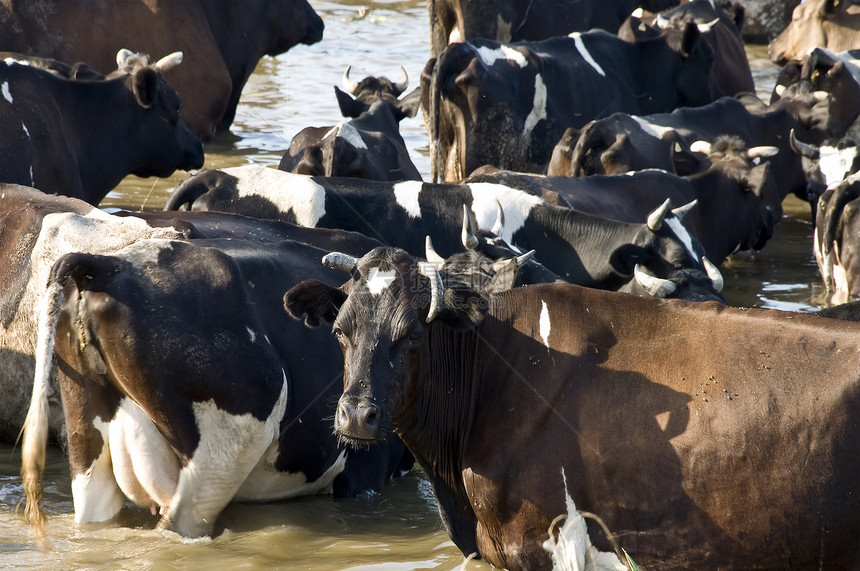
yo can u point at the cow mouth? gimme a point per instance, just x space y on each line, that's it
357 442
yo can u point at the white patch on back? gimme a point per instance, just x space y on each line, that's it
7 95
490 56
835 163
515 204
583 51
351 135
406 194
251 334
26 131
378 281
683 235
538 111
544 323
285 190
657 131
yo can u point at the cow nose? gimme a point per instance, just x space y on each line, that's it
357 419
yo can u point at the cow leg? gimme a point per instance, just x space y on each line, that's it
230 447
95 492
144 464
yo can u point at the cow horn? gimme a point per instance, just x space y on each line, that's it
762 151
714 274
656 287
499 224
168 62
522 259
401 85
779 89
339 261
682 211
467 235
801 148
820 95
661 22
121 56
430 253
349 84
437 288
708 26
655 219
701 147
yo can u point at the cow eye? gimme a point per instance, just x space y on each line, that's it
414 338
338 332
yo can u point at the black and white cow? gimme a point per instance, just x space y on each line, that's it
80 136
507 104
183 385
580 248
367 146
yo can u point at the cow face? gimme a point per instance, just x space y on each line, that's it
158 119
383 324
829 23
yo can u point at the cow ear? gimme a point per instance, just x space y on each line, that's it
349 107
145 86
409 105
624 258
462 308
314 301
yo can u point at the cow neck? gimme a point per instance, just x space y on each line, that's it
93 138
437 425
580 233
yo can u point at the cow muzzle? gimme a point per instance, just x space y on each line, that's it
357 420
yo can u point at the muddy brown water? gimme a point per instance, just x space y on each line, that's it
399 529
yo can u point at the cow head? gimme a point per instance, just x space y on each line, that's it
164 143
361 95
383 319
828 23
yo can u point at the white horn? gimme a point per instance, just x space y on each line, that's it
349 84
437 288
708 26
655 219
682 211
467 235
430 253
762 151
700 147
714 274
656 287
524 258
339 261
401 85
801 148
168 62
500 220
121 56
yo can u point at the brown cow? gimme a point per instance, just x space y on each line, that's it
832 24
222 41
705 437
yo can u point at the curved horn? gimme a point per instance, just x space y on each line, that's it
430 253
437 288
339 261
708 26
762 151
655 219
467 235
349 84
714 274
656 287
524 258
401 85
168 62
801 148
499 224
661 22
701 147
682 211
121 56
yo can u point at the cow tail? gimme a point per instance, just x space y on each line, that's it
835 206
185 194
435 163
35 430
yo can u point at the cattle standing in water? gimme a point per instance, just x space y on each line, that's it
835 242
831 24
217 395
368 146
659 414
580 248
223 41
506 105
513 20
80 137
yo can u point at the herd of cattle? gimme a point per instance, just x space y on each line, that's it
181 359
